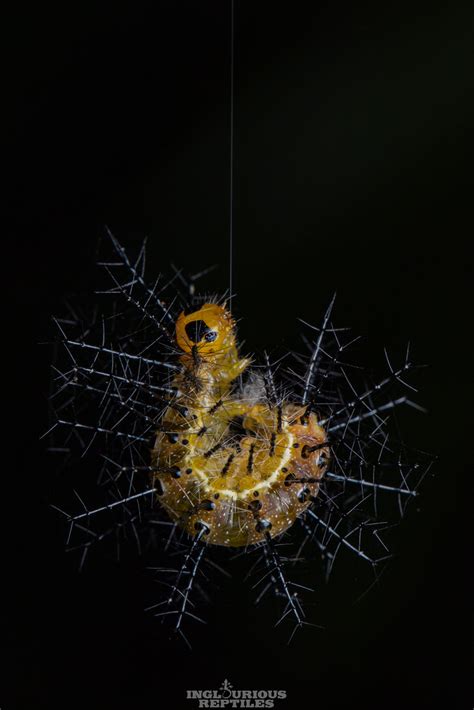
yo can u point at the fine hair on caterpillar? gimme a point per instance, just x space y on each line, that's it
200 448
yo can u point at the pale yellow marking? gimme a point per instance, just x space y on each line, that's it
259 486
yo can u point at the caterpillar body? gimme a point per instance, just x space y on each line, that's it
222 451
239 486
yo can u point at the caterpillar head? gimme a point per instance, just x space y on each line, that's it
210 329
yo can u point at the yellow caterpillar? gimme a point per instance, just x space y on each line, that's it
239 467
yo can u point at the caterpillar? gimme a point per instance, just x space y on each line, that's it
239 486
199 449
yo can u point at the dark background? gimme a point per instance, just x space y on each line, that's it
350 129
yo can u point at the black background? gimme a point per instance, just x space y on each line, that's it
350 131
